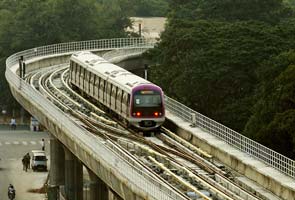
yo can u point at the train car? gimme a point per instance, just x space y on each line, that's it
132 99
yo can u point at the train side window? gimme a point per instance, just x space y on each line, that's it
114 94
71 70
101 84
125 98
71 66
98 85
80 74
110 88
121 99
118 95
94 83
83 77
92 76
89 81
104 90
118 98
114 89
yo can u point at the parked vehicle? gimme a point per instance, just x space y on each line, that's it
39 160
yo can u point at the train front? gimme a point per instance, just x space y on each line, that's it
147 110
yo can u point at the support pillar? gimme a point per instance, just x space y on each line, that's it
73 177
57 168
98 190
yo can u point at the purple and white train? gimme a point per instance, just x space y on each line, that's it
132 99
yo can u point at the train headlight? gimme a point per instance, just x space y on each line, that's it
156 114
138 114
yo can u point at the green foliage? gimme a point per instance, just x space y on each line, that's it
234 62
26 24
150 8
219 61
274 113
271 11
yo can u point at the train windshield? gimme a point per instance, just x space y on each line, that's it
146 99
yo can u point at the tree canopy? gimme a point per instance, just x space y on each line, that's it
26 24
218 57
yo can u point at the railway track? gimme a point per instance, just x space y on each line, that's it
188 169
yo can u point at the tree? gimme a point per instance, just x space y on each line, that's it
274 114
26 24
219 61
270 11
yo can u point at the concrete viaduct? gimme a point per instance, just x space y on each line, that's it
111 170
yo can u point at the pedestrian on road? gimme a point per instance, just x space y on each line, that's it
28 157
43 144
24 163
13 123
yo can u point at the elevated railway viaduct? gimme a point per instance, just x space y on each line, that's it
72 146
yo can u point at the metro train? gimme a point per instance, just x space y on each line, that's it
135 101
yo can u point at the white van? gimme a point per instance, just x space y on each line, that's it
39 160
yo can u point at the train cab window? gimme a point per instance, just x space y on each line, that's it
147 99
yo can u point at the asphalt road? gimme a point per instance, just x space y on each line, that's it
13 146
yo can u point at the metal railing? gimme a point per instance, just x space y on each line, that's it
244 144
268 156
92 45
135 175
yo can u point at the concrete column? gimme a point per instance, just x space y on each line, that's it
98 190
73 177
57 168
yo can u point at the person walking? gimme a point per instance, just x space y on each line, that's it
24 163
13 123
28 158
43 144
